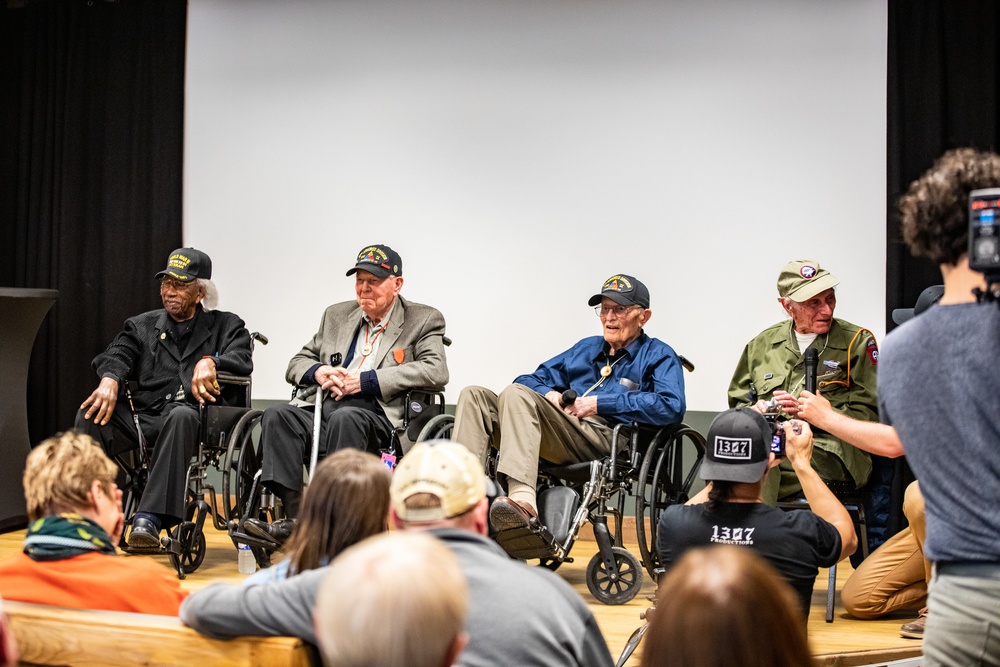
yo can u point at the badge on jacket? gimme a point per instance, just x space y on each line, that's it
399 355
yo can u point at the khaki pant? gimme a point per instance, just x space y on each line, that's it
896 575
525 426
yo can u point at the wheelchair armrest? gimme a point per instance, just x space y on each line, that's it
228 378
236 381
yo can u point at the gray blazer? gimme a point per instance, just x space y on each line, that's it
415 332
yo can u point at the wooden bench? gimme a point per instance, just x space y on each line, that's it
56 636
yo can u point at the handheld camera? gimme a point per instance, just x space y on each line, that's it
772 414
984 233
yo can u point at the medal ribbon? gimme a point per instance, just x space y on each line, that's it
370 345
605 373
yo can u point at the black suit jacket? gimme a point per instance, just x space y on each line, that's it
145 354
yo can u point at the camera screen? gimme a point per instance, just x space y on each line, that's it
778 444
984 229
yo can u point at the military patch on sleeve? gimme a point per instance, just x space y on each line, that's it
872 351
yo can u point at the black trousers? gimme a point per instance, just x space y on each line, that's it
286 435
173 436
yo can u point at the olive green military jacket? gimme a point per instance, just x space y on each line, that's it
772 361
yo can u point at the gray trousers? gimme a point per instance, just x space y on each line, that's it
963 620
525 426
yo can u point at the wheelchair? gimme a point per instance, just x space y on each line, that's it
654 467
224 443
256 502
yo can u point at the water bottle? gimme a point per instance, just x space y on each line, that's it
246 562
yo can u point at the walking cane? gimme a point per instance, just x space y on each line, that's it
318 419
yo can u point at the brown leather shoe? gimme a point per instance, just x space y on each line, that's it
914 629
506 514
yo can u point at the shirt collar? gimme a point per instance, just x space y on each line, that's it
629 349
385 320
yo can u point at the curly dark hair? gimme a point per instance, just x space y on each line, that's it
935 208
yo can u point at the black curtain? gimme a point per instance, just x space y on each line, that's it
91 137
942 94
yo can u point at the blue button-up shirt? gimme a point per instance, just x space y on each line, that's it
653 391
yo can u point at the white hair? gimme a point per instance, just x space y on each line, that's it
211 300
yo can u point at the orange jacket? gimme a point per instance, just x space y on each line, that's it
93 581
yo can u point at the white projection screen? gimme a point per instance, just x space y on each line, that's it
516 154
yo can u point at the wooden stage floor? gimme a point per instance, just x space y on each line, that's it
844 643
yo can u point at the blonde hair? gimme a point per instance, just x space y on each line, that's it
725 606
60 471
393 599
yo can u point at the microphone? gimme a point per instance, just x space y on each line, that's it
812 360
567 399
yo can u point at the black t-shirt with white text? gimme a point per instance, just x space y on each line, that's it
797 543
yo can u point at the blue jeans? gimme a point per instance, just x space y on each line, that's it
963 620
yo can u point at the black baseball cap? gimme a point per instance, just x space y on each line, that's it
187 264
379 260
927 298
624 290
738 447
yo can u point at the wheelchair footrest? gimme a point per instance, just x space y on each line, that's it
528 542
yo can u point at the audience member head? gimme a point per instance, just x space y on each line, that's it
439 483
935 209
737 452
930 296
69 472
725 606
346 501
396 599
805 291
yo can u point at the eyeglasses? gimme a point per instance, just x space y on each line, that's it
619 311
176 285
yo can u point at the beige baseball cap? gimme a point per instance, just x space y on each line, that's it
444 469
802 279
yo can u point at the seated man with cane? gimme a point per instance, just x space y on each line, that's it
566 410
166 361
366 355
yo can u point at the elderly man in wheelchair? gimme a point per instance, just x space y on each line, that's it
365 357
566 411
166 362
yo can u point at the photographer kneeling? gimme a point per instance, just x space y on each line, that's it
730 510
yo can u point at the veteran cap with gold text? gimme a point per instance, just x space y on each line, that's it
624 290
379 260
187 264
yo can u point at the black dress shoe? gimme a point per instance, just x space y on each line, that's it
144 534
278 532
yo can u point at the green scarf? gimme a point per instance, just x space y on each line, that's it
63 536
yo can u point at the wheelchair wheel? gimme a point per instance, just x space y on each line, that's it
665 479
192 543
614 590
240 465
440 426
